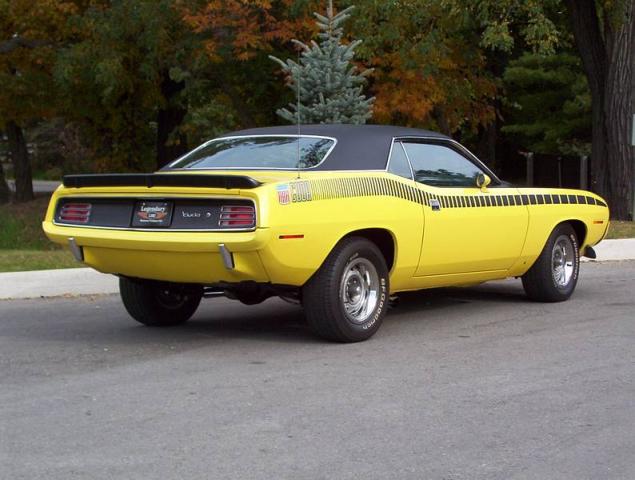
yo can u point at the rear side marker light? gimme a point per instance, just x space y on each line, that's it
237 216
75 213
289 237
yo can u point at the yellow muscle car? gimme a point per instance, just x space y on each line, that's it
336 217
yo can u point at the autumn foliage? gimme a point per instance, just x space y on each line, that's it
243 29
136 83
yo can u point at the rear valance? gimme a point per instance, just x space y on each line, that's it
160 180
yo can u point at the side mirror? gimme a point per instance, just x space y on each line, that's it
482 181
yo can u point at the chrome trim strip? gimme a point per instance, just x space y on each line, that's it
248 169
159 229
170 167
213 294
462 150
412 172
227 256
76 250
153 196
392 144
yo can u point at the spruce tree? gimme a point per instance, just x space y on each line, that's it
330 87
548 104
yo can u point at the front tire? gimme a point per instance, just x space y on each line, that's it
347 298
554 275
159 304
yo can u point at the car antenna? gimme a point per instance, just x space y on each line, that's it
298 113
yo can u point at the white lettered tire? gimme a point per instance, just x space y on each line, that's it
554 275
347 298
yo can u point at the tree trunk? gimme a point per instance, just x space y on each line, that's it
440 118
4 188
607 54
618 114
486 147
169 119
21 164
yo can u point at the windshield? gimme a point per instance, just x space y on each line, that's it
261 152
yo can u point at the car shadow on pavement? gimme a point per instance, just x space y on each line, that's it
104 321
273 320
438 298
277 321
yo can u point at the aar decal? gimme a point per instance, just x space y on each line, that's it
294 192
284 195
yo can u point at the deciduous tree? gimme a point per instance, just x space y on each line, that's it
238 36
30 31
127 76
605 36
438 64
4 188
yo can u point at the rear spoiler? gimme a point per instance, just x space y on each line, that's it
160 180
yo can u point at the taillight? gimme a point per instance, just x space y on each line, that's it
237 216
75 212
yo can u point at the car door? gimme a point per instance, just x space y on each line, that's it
407 221
467 229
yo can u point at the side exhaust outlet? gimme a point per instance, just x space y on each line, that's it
76 250
227 256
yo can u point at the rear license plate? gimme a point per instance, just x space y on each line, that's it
152 214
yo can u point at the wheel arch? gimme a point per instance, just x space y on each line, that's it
383 238
579 227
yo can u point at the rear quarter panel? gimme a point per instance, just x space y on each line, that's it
324 208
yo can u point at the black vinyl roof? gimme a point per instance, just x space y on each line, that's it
359 147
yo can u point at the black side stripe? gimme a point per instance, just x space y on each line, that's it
331 188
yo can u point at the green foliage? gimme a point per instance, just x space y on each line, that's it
329 87
26 260
621 230
88 79
549 104
209 120
29 33
134 59
115 76
503 23
22 226
428 68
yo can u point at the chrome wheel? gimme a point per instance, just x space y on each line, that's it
562 261
359 290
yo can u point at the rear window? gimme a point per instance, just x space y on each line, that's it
267 152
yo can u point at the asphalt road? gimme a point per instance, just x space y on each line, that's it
458 384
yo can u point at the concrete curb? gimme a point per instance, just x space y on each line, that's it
86 281
56 283
611 250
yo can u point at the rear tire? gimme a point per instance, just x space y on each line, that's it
159 304
554 275
347 298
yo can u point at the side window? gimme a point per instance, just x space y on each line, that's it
440 166
398 163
